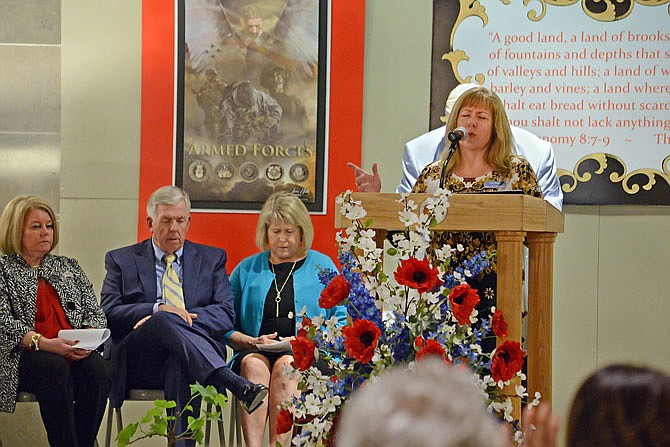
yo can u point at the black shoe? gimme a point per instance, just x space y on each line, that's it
252 397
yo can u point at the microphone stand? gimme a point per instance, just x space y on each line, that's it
452 149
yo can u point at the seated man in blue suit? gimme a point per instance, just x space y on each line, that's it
426 148
168 316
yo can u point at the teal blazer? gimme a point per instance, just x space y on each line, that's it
252 279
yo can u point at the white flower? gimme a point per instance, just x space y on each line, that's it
521 391
368 265
345 240
518 437
408 218
507 405
536 399
443 253
331 404
312 403
317 320
354 212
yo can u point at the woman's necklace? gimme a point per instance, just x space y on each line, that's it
279 291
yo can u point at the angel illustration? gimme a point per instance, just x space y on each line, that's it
241 40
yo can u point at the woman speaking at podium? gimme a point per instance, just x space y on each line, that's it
480 159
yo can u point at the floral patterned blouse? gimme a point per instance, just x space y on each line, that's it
522 178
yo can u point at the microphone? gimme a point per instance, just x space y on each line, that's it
458 134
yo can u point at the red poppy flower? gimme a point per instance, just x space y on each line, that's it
417 274
429 349
463 300
499 324
507 361
335 292
303 352
306 324
284 421
360 340
419 342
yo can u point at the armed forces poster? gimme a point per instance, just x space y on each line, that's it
251 101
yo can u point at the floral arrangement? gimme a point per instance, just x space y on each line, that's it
418 311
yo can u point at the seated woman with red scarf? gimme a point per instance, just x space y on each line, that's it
40 294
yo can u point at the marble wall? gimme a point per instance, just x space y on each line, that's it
30 86
30 113
30 147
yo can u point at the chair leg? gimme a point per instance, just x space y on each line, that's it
208 429
108 431
208 426
238 430
231 425
235 426
119 420
222 434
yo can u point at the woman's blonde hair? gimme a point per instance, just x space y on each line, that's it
13 218
499 153
287 208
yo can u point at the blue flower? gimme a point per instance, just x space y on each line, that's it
360 303
475 265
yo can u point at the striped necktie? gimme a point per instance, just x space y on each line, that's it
172 291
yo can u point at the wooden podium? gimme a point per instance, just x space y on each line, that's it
514 218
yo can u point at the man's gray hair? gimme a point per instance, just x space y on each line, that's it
429 405
167 195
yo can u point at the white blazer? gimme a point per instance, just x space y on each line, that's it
427 148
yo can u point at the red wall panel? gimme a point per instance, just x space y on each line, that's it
234 231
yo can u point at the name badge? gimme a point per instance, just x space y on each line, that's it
494 185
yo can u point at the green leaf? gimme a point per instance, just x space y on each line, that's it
160 427
392 251
209 393
153 414
195 424
160 403
220 400
123 438
196 389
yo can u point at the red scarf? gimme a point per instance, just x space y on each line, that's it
50 316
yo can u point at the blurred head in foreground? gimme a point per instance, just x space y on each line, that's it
621 406
430 405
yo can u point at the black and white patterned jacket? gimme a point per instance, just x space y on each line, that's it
18 297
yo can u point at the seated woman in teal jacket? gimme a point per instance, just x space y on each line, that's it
269 289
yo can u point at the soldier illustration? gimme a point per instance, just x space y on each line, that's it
247 112
209 97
